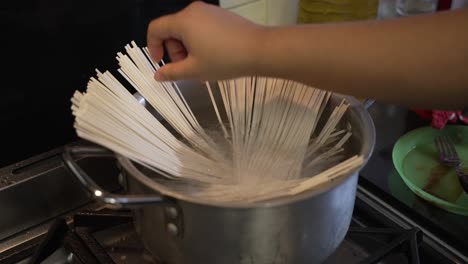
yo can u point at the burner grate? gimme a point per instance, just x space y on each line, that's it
399 241
81 241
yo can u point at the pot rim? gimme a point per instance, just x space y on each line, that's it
368 130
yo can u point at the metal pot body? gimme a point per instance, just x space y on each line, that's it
302 232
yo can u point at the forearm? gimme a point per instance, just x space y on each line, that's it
417 61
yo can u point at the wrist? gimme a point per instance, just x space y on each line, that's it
259 54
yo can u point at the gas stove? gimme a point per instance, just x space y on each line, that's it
48 218
102 236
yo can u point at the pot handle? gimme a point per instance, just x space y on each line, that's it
111 200
367 103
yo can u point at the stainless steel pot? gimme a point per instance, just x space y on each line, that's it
302 229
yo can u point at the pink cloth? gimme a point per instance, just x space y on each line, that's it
439 119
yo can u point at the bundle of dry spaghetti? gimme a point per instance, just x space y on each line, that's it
266 143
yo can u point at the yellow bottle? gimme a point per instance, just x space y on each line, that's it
319 11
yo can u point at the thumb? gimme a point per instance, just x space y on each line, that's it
159 30
183 69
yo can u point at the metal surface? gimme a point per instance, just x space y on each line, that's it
22 244
98 193
98 236
301 229
435 243
40 188
448 155
368 238
301 232
368 103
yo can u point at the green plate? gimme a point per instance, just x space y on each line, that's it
415 158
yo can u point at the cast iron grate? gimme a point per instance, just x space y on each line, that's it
86 249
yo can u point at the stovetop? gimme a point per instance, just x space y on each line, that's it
392 122
107 236
93 234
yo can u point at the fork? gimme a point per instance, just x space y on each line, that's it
448 156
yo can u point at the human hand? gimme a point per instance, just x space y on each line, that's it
204 42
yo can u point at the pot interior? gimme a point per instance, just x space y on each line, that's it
356 119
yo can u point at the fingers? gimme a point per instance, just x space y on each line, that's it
175 49
160 30
180 70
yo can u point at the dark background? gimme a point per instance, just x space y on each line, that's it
51 48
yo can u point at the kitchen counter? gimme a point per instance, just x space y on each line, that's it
391 123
